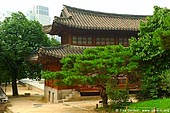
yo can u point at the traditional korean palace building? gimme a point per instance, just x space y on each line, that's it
80 29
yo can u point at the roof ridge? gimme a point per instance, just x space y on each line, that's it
56 47
103 13
93 20
63 46
67 14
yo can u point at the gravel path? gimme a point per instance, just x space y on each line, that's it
35 103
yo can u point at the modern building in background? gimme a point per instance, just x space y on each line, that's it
36 12
39 13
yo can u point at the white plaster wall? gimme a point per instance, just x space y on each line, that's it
55 95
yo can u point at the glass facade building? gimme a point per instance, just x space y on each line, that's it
39 13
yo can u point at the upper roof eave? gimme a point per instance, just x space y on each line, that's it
82 19
103 13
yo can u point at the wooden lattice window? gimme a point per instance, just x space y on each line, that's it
105 41
74 40
123 40
79 40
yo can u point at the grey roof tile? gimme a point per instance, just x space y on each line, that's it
85 19
63 50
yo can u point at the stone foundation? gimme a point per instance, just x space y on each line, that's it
55 96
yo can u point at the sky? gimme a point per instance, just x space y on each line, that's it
136 7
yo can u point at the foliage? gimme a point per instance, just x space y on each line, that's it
149 48
148 45
165 83
163 31
32 70
3 68
118 96
19 37
96 67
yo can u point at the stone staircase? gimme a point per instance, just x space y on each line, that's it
72 96
75 96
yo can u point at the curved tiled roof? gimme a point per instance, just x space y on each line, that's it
46 28
62 51
86 19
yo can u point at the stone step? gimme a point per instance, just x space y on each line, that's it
71 95
74 94
59 101
67 97
65 100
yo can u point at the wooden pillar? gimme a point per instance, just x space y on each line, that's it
69 39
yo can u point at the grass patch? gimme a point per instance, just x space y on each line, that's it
161 105
158 103
149 106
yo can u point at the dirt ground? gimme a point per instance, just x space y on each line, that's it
36 104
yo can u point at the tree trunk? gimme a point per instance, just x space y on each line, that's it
14 85
104 98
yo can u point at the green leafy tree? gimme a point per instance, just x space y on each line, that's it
118 96
150 49
96 67
53 42
3 70
164 30
19 37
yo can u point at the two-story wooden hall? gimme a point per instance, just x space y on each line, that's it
80 29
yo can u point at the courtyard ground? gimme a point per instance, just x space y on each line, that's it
35 103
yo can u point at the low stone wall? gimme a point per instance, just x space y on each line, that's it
31 87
